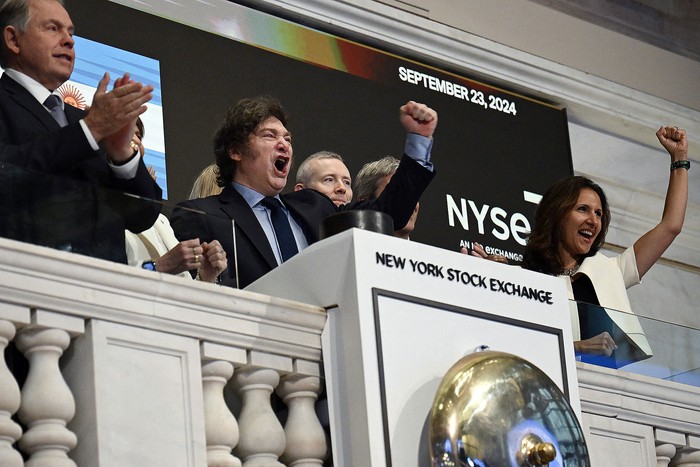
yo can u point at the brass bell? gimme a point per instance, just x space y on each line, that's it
497 409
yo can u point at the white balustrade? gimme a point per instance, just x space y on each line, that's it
664 454
47 403
240 340
306 440
262 439
686 457
221 426
9 403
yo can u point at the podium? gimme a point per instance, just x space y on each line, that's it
400 314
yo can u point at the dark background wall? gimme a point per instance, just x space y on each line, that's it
483 156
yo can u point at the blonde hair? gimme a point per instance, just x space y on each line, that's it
205 184
369 176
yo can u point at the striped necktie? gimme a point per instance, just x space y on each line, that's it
53 103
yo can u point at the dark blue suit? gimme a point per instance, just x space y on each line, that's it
308 207
56 190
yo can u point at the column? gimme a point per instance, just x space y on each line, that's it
306 440
262 439
221 426
9 403
686 456
47 402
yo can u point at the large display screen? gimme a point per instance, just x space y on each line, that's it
92 60
495 150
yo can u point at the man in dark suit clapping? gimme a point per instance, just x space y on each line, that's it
62 171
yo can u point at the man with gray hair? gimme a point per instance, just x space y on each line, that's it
326 172
371 181
64 169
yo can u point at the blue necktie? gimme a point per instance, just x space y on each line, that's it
283 231
53 103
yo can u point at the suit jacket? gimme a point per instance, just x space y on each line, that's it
212 218
56 190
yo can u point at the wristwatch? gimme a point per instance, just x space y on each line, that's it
150 265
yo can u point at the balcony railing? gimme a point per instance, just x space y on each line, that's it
137 361
114 365
131 367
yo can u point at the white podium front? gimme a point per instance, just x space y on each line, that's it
400 314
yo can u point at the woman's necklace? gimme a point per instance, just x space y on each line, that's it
571 271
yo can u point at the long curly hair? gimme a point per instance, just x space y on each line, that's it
542 250
241 120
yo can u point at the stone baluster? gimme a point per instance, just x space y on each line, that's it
306 440
9 403
664 454
262 439
221 426
47 403
686 457
667 444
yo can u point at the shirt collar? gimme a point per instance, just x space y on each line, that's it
34 88
251 196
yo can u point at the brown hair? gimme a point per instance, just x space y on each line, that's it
542 250
241 120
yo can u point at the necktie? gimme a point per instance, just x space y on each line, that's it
283 231
53 103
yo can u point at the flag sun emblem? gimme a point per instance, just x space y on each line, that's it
71 95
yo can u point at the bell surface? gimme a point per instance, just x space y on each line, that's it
497 409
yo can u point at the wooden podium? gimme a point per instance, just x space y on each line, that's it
400 314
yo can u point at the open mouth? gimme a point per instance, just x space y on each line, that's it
281 163
587 234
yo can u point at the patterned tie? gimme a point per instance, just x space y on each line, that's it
283 231
53 103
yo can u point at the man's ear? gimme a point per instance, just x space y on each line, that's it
235 155
299 186
10 37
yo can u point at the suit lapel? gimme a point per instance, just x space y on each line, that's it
25 100
246 224
309 208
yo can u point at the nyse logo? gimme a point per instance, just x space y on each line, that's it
502 224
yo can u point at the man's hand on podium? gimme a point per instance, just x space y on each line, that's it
479 252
